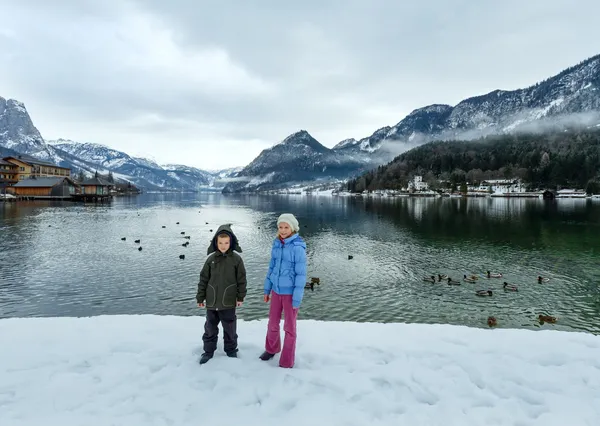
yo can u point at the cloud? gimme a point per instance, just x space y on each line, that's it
211 84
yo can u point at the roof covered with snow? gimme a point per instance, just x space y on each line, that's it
42 182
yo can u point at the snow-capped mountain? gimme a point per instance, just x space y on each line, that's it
143 172
18 135
298 158
570 98
17 131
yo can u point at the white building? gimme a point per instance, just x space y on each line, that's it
417 184
502 186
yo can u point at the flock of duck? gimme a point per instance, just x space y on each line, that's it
187 237
492 322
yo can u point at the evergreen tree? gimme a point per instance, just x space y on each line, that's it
570 159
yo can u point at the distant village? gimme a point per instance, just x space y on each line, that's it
487 188
26 178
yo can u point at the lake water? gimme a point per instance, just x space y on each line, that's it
67 259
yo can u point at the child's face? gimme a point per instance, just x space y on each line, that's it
223 243
284 230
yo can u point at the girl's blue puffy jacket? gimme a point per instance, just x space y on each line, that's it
287 270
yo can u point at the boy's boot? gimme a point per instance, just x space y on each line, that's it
206 356
232 354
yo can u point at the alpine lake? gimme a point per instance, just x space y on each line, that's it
69 259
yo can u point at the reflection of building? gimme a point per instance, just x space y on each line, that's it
417 184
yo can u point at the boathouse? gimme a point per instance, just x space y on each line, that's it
44 187
95 189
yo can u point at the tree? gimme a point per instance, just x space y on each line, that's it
96 174
593 187
111 179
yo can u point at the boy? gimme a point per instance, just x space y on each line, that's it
221 289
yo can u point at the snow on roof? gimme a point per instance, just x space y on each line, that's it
40 182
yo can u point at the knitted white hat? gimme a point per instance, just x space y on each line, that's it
291 220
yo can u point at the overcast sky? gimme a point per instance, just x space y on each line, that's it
210 84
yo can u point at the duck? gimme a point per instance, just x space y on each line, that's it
468 279
182 232
430 279
350 257
452 282
442 277
137 241
542 280
177 223
494 274
483 292
124 239
164 226
140 248
187 237
182 256
510 287
547 318
491 321
184 244
315 280
310 285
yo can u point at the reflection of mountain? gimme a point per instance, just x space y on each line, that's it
515 222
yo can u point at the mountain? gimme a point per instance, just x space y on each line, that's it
570 98
18 135
298 158
143 172
17 131
563 158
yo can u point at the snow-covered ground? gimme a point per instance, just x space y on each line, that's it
143 370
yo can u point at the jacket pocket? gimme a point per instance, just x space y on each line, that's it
211 295
230 296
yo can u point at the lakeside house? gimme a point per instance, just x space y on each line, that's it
9 173
502 186
94 189
417 184
44 187
27 167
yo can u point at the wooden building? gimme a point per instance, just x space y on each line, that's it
44 187
95 189
28 166
8 173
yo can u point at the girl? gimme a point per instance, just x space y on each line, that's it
284 287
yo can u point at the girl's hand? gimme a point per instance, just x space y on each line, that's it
238 304
266 298
201 305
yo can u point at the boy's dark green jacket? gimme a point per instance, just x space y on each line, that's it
223 277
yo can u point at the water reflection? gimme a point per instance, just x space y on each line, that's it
69 259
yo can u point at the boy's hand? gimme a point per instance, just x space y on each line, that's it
201 305
239 304
266 298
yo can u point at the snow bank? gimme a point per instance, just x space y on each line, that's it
142 370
